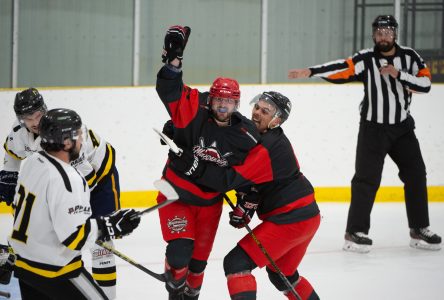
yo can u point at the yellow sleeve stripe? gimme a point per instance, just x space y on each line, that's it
104 277
108 164
49 274
91 179
74 244
12 154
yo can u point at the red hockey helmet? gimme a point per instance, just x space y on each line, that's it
224 87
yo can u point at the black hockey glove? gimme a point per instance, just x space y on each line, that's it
245 208
168 130
187 163
118 224
7 261
8 182
176 39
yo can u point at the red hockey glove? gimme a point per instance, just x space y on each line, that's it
245 208
174 43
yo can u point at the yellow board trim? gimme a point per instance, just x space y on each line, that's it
77 240
104 277
145 199
49 274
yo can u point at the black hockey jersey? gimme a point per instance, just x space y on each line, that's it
196 129
286 195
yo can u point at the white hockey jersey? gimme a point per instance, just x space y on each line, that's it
52 218
97 157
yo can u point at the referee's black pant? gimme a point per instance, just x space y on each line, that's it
399 141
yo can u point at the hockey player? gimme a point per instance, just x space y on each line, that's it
284 200
96 162
209 125
52 218
390 74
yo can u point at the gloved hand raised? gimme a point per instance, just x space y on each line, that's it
174 44
8 182
245 208
118 224
187 163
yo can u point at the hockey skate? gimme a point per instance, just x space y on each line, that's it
423 238
357 242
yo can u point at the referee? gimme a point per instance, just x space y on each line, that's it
390 74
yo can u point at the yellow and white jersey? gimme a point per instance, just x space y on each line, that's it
96 159
52 217
19 144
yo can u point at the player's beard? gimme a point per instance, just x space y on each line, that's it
385 46
73 152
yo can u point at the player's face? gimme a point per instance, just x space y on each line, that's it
384 39
262 115
32 121
223 108
74 152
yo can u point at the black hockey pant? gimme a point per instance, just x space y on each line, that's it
399 141
80 287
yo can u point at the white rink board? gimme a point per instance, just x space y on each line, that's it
323 128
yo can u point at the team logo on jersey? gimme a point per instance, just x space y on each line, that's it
28 149
177 224
78 161
99 253
211 153
79 209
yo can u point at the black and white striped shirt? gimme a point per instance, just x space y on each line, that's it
386 99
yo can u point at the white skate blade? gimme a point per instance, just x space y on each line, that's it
353 247
420 244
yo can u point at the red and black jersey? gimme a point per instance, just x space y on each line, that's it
286 195
196 129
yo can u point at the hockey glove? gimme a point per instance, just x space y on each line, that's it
245 208
168 130
8 182
174 43
117 224
7 261
187 163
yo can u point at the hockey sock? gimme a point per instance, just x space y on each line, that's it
242 286
104 269
176 284
304 290
193 285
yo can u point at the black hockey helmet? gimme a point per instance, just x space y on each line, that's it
56 126
282 103
28 101
385 21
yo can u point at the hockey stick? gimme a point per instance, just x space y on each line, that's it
169 142
167 190
160 277
267 255
5 294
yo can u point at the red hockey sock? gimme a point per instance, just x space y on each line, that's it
177 274
194 280
304 290
242 286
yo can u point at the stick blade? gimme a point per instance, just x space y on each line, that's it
166 189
